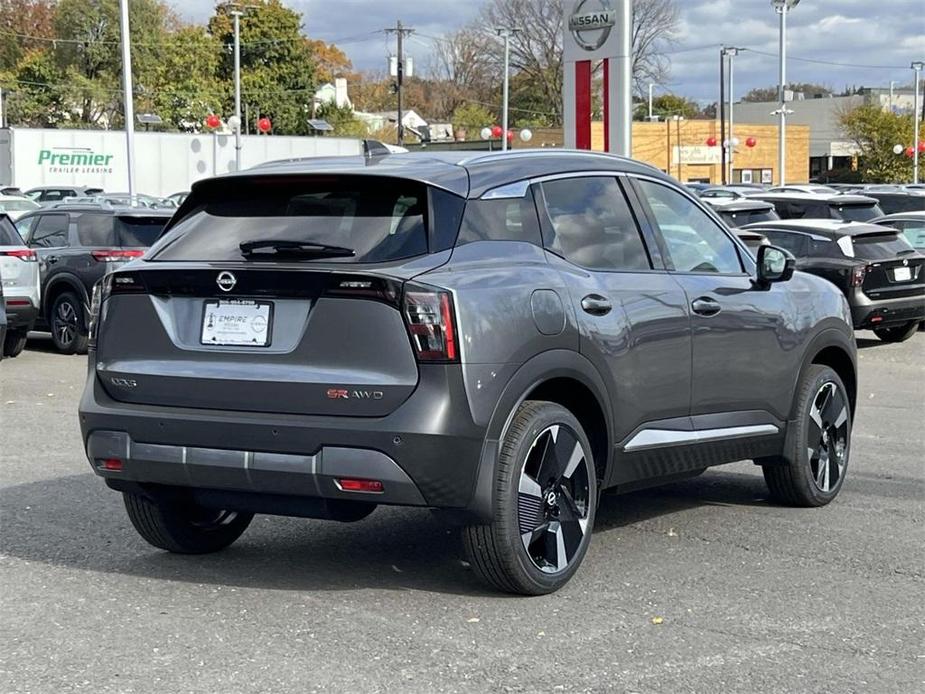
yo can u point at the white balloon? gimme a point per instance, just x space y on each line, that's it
735 142
234 123
526 134
898 149
485 133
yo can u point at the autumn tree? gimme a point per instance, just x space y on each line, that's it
330 62
26 26
875 132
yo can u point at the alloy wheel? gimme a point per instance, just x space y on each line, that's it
554 500
65 322
827 442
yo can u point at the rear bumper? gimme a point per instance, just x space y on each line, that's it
426 452
21 313
868 314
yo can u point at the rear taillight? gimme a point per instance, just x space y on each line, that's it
858 273
430 318
25 254
115 255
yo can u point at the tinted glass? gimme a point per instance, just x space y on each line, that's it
24 227
8 234
695 242
95 230
50 231
738 219
500 220
914 233
382 219
592 224
139 231
881 246
795 243
857 213
824 248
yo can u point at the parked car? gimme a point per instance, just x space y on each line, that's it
16 206
911 224
882 276
179 198
45 194
482 334
10 190
743 211
76 245
814 189
721 193
694 187
895 201
753 240
20 287
857 208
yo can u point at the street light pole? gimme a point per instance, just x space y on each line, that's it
916 119
128 105
650 101
732 52
506 33
782 7
236 14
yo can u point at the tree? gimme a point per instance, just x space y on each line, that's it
764 94
666 105
37 99
472 118
875 132
343 121
20 19
462 69
330 61
277 69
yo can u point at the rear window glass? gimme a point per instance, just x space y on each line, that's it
95 230
8 234
857 213
381 219
738 219
880 246
139 231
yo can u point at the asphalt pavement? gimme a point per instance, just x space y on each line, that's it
699 586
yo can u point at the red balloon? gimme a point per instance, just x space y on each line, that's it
496 131
264 125
751 142
910 152
510 135
711 142
213 121
922 146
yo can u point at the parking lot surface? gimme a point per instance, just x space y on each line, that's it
700 586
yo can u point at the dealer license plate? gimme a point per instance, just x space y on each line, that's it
902 274
237 322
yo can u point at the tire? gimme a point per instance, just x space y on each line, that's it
184 529
14 343
812 470
68 324
899 333
551 498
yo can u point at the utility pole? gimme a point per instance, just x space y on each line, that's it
650 101
506 33
722 112
892 85
237 88
400 33
782 7
127 103
916 119
731 52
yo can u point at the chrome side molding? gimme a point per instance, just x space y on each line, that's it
660 438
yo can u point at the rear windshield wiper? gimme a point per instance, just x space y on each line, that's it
906 251
275 248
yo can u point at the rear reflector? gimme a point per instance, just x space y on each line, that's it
112 464
115 255
18 302
352 485
25 254
876 319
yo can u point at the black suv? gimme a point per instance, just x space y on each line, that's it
894 201
743 211
76 246
856 208
49 194
498 336
880 273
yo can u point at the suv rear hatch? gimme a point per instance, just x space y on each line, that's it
283 324
894 268
854 208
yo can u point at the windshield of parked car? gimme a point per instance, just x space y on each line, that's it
139 231
381 219
856 213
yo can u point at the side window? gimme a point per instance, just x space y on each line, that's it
504 219
592 224
95 230
50 231
695 242
789 241
51 195
24 227
824 248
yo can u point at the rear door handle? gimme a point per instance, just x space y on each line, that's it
705 306
596 305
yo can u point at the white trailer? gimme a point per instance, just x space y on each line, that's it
165 163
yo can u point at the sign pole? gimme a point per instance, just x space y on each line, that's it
128 105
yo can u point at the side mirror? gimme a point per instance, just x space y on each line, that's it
774 265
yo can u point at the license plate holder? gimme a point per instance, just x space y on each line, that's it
236 323
902 274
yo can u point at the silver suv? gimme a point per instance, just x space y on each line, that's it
498 336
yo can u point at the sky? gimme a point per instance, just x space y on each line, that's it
873 41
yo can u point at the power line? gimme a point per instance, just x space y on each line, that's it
176 38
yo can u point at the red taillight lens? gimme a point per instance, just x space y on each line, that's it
368 486
858 273
430 318
115 255
25 254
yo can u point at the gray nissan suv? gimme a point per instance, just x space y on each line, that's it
497 336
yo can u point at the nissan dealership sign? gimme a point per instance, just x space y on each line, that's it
591 27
